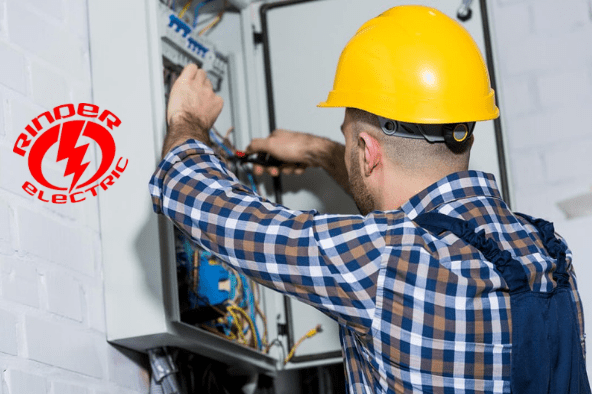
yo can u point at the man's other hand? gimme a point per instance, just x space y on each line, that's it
193 97
297 150
192 109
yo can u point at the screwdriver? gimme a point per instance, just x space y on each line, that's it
262 159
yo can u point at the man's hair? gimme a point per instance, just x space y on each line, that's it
408 153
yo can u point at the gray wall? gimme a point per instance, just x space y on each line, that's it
544 50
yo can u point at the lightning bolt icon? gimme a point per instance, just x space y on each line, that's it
67 149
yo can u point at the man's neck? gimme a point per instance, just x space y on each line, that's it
400 187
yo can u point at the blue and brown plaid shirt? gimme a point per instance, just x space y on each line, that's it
418 312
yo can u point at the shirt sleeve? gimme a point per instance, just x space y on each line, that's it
328 261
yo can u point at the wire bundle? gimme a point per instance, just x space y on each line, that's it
224 149
240 312
198 6
237 315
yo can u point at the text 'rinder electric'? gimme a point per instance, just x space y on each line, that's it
72 128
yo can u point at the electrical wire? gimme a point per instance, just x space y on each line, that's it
214 136
248 319
276 342
235 320
195 271
196 12
250 298
258 311
309 334
238 316
216 20
185 8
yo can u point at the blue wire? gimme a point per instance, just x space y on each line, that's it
254 316
232 287
196 14
252 181
219 142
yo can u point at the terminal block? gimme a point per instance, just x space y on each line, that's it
182 45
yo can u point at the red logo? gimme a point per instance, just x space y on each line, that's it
65 134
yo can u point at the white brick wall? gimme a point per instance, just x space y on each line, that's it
545 86
52 329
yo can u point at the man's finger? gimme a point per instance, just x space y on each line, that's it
258 170
288 170
257 145
208 83
202 76
189 71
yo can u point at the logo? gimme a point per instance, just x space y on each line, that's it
63 136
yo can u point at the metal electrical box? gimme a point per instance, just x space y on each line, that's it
272 63
135 60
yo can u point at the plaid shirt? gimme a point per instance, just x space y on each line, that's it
418 312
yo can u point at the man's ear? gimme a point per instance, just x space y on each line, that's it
372 155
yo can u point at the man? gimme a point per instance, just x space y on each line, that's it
438 287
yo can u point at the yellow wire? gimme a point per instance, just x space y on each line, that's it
249 321
258 311
195 270
238 314
241 335
309 334
264 320
184 10
216 20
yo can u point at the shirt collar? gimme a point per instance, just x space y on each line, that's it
455 186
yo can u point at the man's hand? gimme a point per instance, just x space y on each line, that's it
296 150
299 151
193 108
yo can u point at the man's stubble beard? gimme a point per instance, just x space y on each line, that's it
362 197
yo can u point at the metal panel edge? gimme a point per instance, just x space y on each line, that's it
131 252
501 141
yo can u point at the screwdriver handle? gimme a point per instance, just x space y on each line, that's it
262 158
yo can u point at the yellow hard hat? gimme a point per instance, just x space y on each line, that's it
414 64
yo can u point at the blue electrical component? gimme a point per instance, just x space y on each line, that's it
179 25
196 47
182 45
211 274
204 278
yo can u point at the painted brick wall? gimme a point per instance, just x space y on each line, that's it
52 330
544 50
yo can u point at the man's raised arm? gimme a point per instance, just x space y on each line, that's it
192 109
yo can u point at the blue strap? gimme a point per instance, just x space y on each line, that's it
510 269
554 246
547 357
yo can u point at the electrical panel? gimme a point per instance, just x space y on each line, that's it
160 289
212 295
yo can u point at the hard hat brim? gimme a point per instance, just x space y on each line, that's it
415 111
